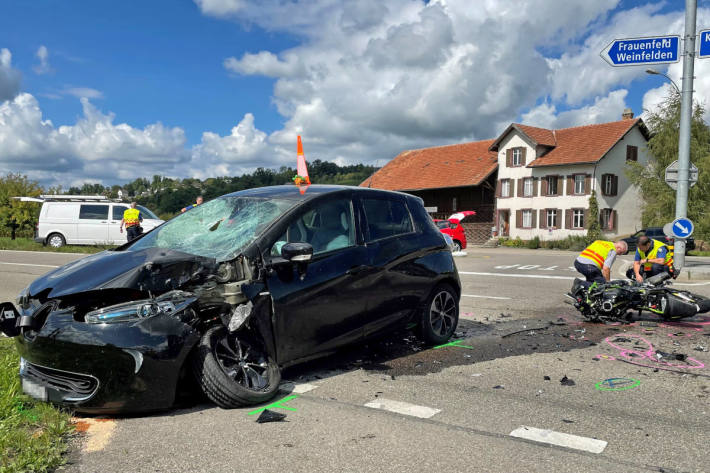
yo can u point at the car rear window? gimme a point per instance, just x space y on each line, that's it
93 212
117 212
386 218
443 224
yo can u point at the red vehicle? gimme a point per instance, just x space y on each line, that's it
452 227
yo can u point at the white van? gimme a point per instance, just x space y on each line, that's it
86 222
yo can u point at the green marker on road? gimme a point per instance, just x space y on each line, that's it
457 343
277 405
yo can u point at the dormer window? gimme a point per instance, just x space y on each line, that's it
517 156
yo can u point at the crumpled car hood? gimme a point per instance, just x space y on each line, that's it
152 269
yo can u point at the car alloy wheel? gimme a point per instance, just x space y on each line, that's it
443 313
457 246
242 362
56 241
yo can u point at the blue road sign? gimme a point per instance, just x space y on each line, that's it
704 40
682 228
637 51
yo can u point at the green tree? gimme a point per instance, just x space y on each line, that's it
658 198
14 214
594 230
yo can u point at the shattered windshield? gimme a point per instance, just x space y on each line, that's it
217 229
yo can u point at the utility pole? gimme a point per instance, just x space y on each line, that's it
686 112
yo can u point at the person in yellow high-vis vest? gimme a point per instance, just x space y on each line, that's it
132 219
652 257
596 260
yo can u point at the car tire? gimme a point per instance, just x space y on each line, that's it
440 315
56 240
233 370
457 246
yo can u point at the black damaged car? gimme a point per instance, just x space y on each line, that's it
229 293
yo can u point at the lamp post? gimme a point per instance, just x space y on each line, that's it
658 73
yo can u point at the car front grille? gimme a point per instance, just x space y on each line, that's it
75 386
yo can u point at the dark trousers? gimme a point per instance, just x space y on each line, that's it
133 232
655 269
590 271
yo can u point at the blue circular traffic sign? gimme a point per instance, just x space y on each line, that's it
682 227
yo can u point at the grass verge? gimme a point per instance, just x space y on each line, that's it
698 253
27 244
33 434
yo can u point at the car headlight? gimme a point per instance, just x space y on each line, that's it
129 311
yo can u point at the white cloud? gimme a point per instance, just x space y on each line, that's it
603 109
43 55
83 92
9 77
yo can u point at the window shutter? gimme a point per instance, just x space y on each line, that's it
586 218
558 218
604 178
518 219
570 185
521 183
560 183
523 151
535 186
587 184
543 185
614 220
614 184
533 216
568 219
543 218
498 187
509 157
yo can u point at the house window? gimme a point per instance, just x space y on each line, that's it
606 219
527 218
517 156
505 188
551 185
528 187
632 153
579 183
608 184
551 218
578 218
453 204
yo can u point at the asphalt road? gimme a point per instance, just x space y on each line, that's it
394 405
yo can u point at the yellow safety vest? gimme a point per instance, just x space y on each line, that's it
130 217
657 245
598 251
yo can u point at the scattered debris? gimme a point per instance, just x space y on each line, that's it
505 315
475 375
525 329
700 348
270 416
648 323
567 421
499 386
565 381
546 378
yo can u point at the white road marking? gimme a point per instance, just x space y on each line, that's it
44 252
507 275
485 297
560 439
27 264
404 408
297 388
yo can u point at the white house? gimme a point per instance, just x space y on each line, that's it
545 178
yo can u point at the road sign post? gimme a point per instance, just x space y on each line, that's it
637 51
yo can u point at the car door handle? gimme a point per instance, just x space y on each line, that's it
359 269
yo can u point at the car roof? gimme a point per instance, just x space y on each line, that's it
312 191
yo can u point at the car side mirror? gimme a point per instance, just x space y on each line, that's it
297 252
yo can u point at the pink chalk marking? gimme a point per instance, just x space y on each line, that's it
649 354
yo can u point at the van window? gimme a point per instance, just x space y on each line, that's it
57 210
117 213
93 212
386 218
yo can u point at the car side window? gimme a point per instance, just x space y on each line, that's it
117 212
326 227
386 218
93 212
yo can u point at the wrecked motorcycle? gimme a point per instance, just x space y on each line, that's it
616 300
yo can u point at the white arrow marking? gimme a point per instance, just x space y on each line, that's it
684 229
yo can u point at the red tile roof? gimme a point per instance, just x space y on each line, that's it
465 164
585 144
541 136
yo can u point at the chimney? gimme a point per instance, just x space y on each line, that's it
628 114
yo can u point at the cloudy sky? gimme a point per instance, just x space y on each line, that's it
109 91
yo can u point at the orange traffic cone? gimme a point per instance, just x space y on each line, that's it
301 169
